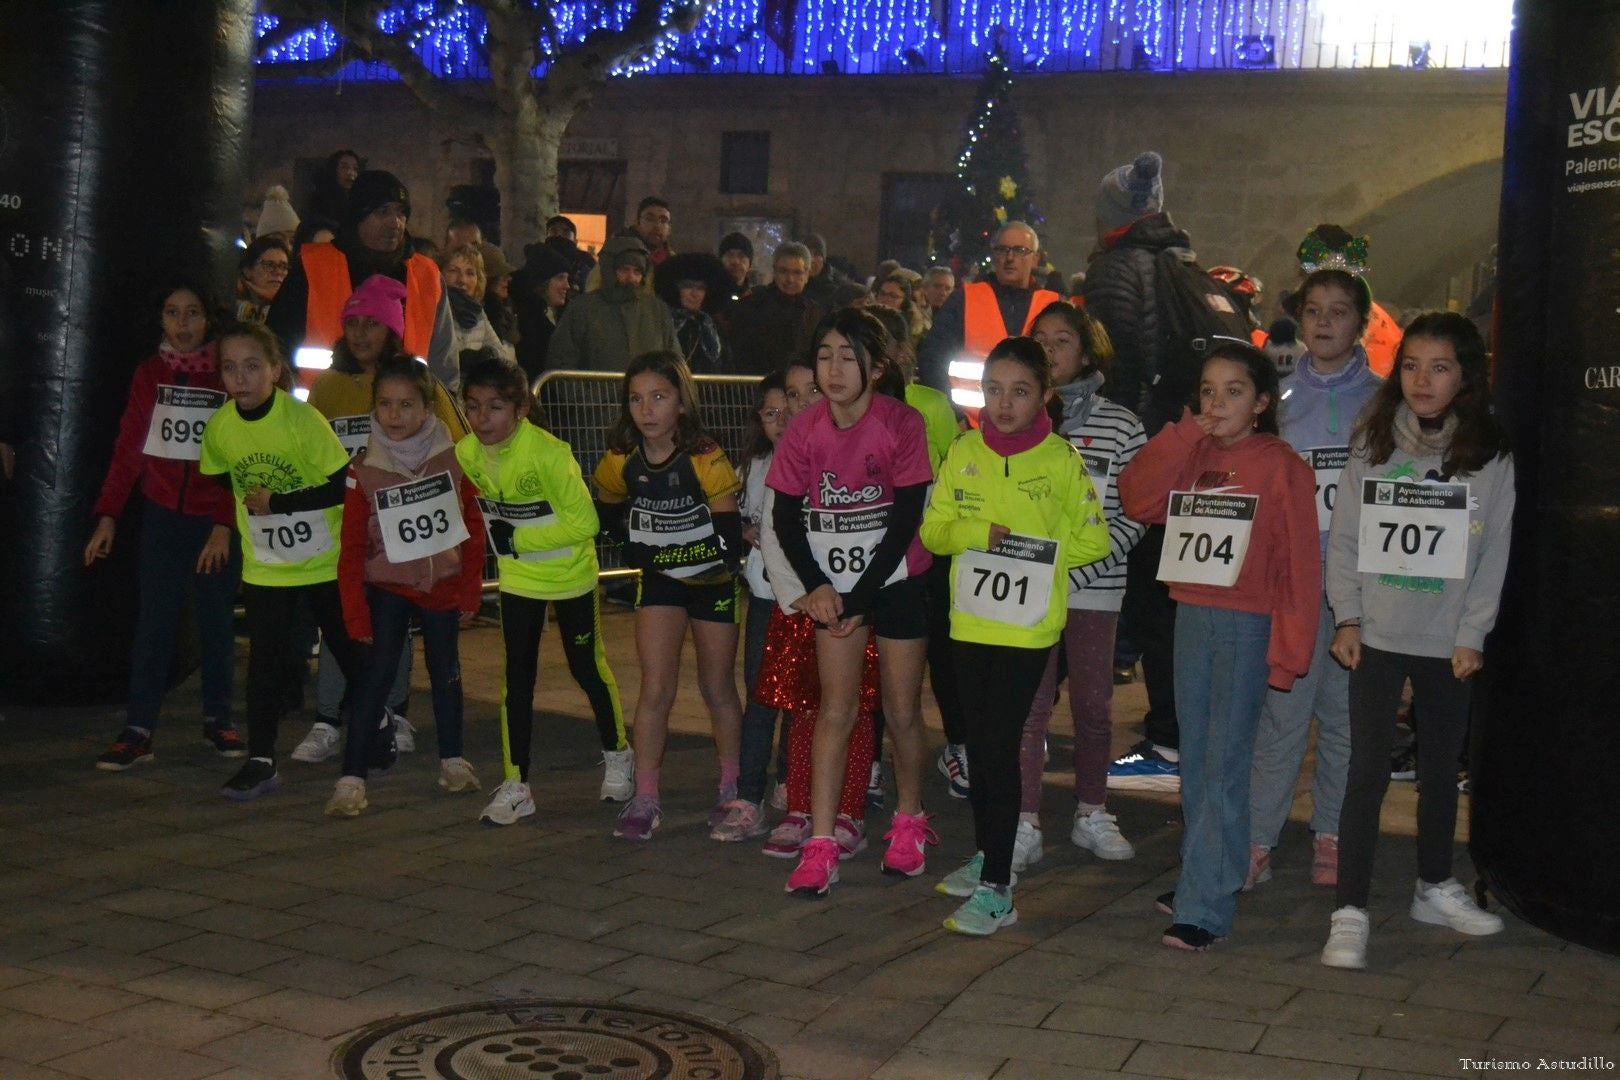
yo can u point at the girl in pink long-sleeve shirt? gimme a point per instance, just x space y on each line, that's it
1242 559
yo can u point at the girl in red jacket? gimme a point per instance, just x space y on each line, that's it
159 442
413 545
1242 561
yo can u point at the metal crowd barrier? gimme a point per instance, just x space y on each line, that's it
580 408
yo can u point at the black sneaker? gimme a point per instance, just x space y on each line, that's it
257 777
131 748
1403 763
1187 937
224 739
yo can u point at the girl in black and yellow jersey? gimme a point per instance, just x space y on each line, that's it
668 493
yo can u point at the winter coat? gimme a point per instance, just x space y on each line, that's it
1121 292
605 329
769 327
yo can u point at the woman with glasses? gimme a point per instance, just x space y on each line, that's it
264 265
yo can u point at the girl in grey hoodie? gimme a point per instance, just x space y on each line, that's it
1416 556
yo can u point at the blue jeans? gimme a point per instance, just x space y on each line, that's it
758 721
1279 745
1221 676
170 544
390 626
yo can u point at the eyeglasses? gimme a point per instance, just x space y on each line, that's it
770 414
1001 251
275 267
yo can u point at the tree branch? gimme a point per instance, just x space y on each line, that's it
578 70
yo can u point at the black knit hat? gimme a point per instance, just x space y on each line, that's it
372 189
737 242
543 262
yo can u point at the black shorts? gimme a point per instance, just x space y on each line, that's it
900 611
717 602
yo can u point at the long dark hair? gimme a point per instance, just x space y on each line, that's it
1479 438
343 360
869 341
625 437
1096 349
1262 373
211 310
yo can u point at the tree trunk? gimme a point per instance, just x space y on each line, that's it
526 172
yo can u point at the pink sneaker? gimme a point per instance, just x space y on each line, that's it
638 819
817 869
1259 867
851 836
788 837
908 837
1325 859
743 822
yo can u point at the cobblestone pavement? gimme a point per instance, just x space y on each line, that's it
149 929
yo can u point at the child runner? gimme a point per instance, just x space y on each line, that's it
542 527
373 331
159 441
413 547
1320 402
860 458
1015 511
668 492
1242 562
745 818
1107 435
287 471
1416 559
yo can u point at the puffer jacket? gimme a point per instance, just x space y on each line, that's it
1121 292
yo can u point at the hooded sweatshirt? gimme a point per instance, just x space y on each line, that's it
604 329
1282 573
1317 414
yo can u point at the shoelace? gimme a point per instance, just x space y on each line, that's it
924 833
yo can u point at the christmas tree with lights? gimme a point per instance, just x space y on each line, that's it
992 173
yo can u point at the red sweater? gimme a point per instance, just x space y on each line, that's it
452 582
173 484
1282 574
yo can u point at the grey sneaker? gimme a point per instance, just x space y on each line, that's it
1347 940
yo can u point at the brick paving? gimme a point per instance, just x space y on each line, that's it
149 929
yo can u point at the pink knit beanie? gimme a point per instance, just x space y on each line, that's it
382 298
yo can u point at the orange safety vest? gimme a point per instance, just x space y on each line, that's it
327 270
983 329
1382 340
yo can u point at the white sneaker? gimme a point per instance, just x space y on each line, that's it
1098 833
1027 849
321 743
1347 940
404 732
348 797
456 775
512 802
618 774
1448 904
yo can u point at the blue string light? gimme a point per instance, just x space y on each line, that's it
869 37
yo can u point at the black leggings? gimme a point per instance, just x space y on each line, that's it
1375 697
579 619
271 626
941 662
995 704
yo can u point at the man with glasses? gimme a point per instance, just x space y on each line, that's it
774 321
981 313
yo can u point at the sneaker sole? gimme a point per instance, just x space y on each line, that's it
1424 915
1111 856
257 791
643 837
1343 961
895 871
1006 920
1144 783
618 794
113 766
945 890
345 811
309 759
458 789
812 892
491 820
780 852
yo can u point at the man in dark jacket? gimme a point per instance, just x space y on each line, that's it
774 322
825 280
605 329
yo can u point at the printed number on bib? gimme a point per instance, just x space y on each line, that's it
1327 462
1206 537
420 519
1011 583
1413 530
1098 462
520 516
683 541
844 541
284 539
178 418
354 432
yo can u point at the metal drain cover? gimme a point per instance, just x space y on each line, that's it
552 1040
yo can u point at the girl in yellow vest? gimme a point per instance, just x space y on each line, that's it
1015 510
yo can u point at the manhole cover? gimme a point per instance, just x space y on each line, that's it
552 1040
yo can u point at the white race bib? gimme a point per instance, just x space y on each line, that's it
420 518
1327 462
1206 537
178 418
1098 463
685 543
521 516
289 538
844 541
1413 529
354 432
1011 583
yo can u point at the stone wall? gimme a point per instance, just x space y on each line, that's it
1253 159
